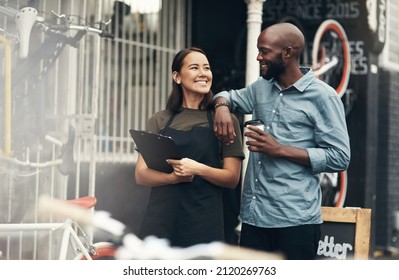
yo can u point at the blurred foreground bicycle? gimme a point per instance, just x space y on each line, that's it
129 247
72 243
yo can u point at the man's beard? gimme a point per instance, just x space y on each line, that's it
274 69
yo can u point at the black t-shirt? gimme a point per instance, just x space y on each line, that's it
189 118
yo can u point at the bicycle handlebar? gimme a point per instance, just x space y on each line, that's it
65 25
87 29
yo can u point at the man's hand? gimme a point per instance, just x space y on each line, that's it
266 144
262 141
223 125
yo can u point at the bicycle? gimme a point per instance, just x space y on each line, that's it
30 69
15 193
331 55
60 31
17 162
29 125
75 244
126 246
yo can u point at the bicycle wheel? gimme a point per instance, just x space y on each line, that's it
333 188
331 55
103 251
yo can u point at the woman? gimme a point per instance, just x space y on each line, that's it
185 206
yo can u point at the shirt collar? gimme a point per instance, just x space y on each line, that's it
303 82
306 79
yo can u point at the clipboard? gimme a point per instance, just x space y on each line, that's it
155 149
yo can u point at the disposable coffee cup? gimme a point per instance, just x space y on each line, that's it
258 123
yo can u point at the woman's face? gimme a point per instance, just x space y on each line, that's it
195 75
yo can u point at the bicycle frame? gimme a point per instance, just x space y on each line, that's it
72 245
69 236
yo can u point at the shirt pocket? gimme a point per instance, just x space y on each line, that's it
294 125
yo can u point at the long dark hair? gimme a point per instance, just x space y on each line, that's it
175 99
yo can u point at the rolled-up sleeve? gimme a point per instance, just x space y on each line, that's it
317 159
332 150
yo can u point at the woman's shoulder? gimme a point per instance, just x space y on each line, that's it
158 120
161 116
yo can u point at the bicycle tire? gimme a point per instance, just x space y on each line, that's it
328 33
343 188
103 251
335 195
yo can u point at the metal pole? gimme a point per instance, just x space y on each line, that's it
254 25
7 99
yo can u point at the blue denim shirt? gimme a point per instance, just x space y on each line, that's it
308 115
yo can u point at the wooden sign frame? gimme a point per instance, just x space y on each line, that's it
362 220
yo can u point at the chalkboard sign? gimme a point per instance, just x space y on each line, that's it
345 233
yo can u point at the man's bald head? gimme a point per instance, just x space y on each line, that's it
284 35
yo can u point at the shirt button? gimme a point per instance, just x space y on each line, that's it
267 127
256 180
253 197
274 111
259 162
281 94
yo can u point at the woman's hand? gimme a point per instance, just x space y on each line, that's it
227 176
185 167
182 179
153 178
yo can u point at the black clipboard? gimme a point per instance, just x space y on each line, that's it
155 149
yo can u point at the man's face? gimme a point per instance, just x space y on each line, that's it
270 57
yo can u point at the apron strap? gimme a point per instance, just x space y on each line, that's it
170 120
210 119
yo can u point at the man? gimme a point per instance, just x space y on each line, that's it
304 134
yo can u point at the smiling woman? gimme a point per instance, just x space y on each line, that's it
185 205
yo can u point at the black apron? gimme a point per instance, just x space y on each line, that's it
188 213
